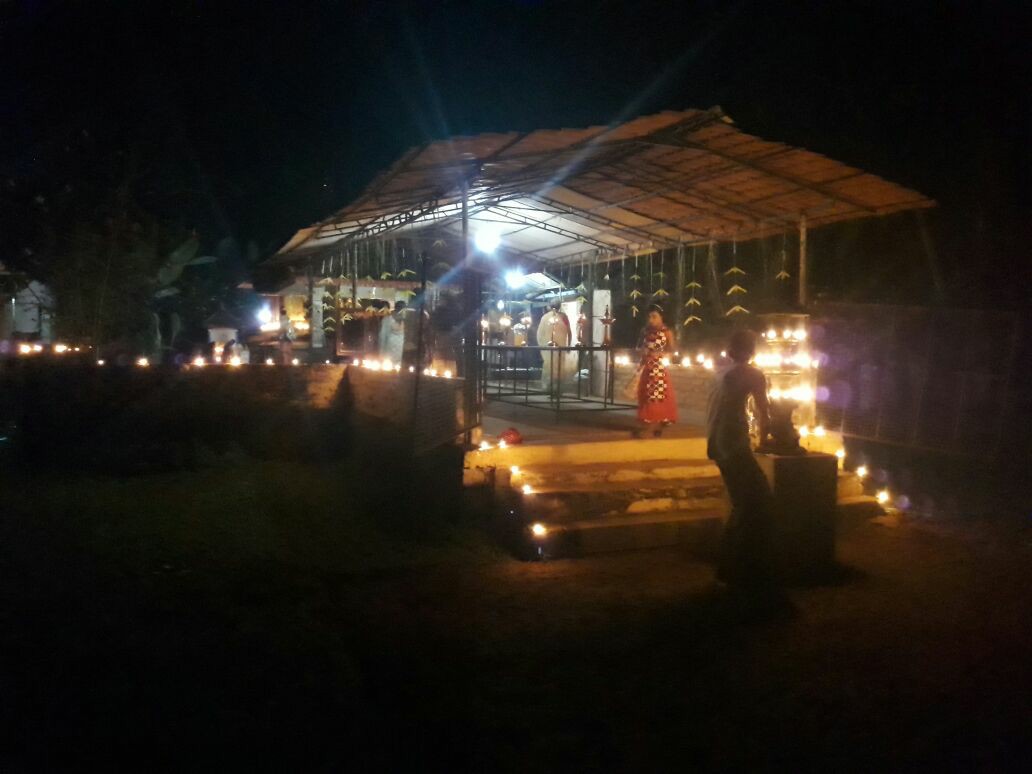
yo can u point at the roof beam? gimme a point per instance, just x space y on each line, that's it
817 188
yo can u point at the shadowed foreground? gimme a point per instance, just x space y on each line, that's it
279 615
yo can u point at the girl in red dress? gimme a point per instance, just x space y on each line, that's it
657 406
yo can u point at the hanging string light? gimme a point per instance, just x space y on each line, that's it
783 274
635 293
735 289
693 304
581 290
660 292
623 273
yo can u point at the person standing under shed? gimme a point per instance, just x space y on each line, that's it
657 406
745 554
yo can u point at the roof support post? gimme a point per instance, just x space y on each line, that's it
803 264
470 327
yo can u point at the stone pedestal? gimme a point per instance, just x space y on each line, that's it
804 490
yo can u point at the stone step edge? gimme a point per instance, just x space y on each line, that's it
637 519
615 487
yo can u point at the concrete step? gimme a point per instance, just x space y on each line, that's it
572 503
626 532
587 453
609 474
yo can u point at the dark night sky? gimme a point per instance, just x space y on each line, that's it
256 118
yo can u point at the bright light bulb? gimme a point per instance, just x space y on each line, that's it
295 361
840 453
819 431
538 529
60 348
387 365
528 489
514 279
411 369
24 349
772 334
100 362
502 444
665 361
447 374
700 358
484 446
861 471
708 365
200 362
515 470
799 335
269 361
686 362
264 315
804 431
235 361
142 362
487 240
882 496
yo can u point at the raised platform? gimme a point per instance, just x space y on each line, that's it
580 483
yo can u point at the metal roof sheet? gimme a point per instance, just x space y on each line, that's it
652 182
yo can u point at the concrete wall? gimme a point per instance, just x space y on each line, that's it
390 397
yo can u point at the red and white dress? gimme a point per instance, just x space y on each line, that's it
656 402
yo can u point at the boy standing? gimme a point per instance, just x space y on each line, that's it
745 555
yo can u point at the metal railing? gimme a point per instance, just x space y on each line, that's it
555 378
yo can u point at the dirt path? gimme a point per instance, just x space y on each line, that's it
918 658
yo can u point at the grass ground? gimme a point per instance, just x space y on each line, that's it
275 615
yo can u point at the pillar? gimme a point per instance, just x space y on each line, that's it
318 335
803 264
